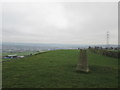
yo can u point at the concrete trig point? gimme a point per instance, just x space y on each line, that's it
83 62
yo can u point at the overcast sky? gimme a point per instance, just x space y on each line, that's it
65 23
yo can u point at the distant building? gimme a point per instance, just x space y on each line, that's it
10 56
20 56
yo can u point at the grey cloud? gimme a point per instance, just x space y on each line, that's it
74 23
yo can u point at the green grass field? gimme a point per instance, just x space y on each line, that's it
56 69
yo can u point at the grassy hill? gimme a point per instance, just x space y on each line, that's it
56 69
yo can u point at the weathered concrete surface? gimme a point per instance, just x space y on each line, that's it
83 61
